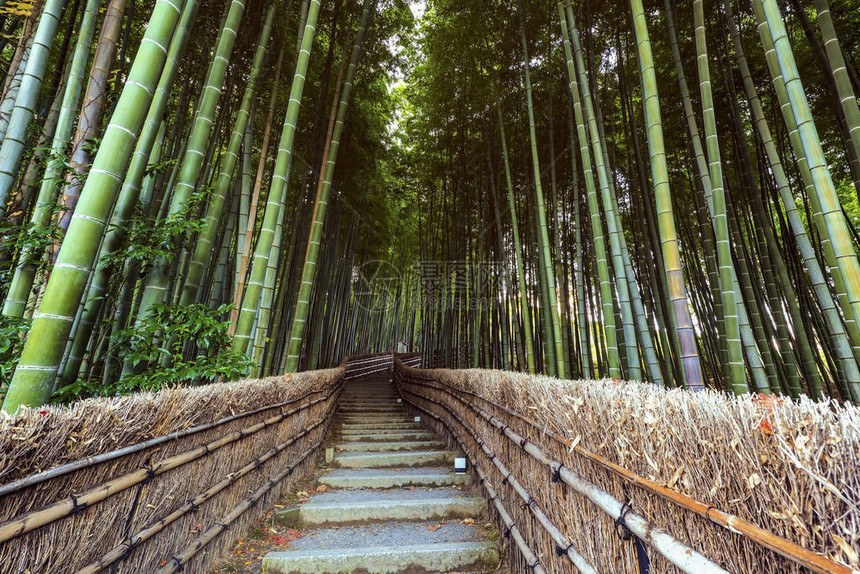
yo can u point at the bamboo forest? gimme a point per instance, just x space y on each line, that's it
612 223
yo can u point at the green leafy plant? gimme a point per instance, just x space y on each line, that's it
150 238
159 346
12 332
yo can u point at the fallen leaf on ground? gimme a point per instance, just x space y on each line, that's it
434 527
469 521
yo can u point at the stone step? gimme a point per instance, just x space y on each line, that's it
372 417
358 420
352 506
368 446
364 459
370 401
406 425
392 478
395 547
385 435
372 406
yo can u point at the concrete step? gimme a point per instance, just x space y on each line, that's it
352 506
375 417
385 435
369 446
381 426
387 548
371 409
370 400
356 420
392 459
392 478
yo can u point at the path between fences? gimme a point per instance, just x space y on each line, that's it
169 482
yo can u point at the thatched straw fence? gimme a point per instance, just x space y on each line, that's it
154 482
714 482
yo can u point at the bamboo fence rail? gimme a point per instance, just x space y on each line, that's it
188 469
590 499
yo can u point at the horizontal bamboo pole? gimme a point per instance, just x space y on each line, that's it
177 562
76 503
565 545
55 472
679 554
134 541
735 524
522 545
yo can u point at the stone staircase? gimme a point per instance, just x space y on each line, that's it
393 502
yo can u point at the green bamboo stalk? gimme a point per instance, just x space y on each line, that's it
555 350
609 328
847 99
144 153
25 273
831 209
15 138
735 372
243 256
837 334
203 244
310 264
34 377
579 271
851 325
245 195
158 278
691 373
518 249
613 222
277 190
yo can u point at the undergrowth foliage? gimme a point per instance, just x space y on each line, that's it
151 238
12 334
175 345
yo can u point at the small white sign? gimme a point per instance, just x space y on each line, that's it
417 419
399 400
460 465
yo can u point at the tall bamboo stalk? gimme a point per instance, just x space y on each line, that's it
277 190
691 374
323 191
33 380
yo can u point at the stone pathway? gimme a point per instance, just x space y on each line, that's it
393 502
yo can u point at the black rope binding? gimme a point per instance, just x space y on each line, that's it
129 546
559 551
624 533
77 507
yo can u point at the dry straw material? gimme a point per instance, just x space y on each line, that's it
190 460
789 467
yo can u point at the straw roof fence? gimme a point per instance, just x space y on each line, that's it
789 467
154 482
